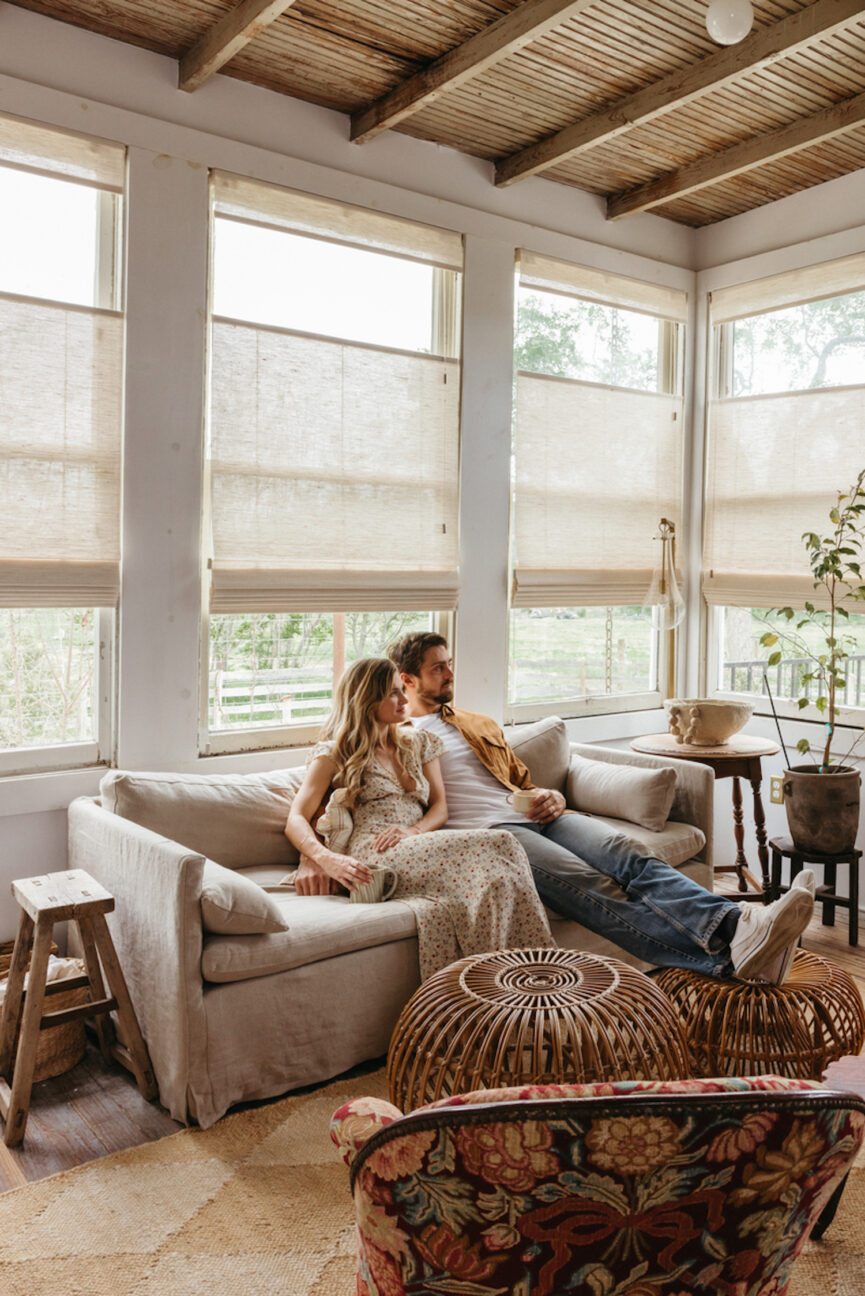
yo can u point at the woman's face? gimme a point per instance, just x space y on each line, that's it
392 710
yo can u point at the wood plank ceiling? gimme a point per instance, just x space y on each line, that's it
628 99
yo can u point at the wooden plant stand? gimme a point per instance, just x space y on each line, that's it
72 896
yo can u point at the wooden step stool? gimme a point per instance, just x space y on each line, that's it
76 897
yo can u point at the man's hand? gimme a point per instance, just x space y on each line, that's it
312 880
546 806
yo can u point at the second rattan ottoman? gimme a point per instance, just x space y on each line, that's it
750 1028
545 1016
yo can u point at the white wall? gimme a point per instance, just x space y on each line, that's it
53 72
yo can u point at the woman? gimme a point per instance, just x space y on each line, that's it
471 891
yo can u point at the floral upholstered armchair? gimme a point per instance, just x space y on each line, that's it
636 1188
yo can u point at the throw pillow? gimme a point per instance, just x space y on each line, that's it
231 905
235 819
644 796
543 747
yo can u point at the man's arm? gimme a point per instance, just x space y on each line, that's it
312 880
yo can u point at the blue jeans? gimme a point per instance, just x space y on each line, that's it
591 873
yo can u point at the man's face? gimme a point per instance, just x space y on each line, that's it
434 685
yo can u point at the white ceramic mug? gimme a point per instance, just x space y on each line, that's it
522 799
381 887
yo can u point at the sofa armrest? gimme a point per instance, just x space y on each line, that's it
156 928
694 798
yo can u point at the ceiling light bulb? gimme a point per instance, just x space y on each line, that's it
729 21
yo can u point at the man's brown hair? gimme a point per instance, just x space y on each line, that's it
407 654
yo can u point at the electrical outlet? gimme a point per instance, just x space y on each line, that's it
776 794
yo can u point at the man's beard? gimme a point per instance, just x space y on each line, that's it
445 695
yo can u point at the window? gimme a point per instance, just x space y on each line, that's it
333 450
597 464
60 437
785 435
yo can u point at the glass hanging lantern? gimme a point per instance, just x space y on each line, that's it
664 599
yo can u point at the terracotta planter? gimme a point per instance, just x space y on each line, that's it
822 809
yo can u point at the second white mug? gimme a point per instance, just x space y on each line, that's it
381 887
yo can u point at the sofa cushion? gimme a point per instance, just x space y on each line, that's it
321 927
232 904
675 843
234 819
543 747
642 796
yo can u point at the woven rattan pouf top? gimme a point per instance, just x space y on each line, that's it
516 1017
749 1028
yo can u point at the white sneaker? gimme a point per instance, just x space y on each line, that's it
776 972
805 881
763 932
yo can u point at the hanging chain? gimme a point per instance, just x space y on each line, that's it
608 654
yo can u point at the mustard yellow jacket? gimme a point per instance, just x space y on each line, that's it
490 746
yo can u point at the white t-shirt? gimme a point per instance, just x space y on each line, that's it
475 799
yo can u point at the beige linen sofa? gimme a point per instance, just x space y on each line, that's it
244 993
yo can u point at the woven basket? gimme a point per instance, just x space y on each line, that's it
61 1047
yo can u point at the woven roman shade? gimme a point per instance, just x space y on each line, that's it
776 462
595 467
60 411
333 464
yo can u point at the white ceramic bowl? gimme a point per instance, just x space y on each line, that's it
706 722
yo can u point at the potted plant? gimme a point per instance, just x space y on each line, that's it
822 798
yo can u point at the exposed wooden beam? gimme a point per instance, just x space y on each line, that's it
765 46
824 125
527 23
226 38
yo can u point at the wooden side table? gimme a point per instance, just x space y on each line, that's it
72 896
827 894
737 759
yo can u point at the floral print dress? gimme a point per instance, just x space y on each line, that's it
471 891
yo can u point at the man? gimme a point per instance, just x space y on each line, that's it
583 869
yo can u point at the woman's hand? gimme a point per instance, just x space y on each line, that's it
391 836
345 869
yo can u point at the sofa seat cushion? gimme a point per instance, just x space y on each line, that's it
320 927
676 843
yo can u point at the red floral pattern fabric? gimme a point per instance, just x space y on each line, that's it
634 1188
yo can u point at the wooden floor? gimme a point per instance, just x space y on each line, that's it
95 1109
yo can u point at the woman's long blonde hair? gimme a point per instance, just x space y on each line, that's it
352 726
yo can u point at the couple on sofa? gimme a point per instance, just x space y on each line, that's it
480 886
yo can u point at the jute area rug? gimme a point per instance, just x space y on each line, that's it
257 1205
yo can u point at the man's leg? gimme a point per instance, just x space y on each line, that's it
676 899
596 899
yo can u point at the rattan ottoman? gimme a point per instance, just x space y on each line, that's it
749 1028
546 1016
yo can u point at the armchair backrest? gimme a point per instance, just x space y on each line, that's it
693 1186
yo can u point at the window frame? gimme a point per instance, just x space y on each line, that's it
229 742
719 387
664 648
108 294
79 755
445 342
